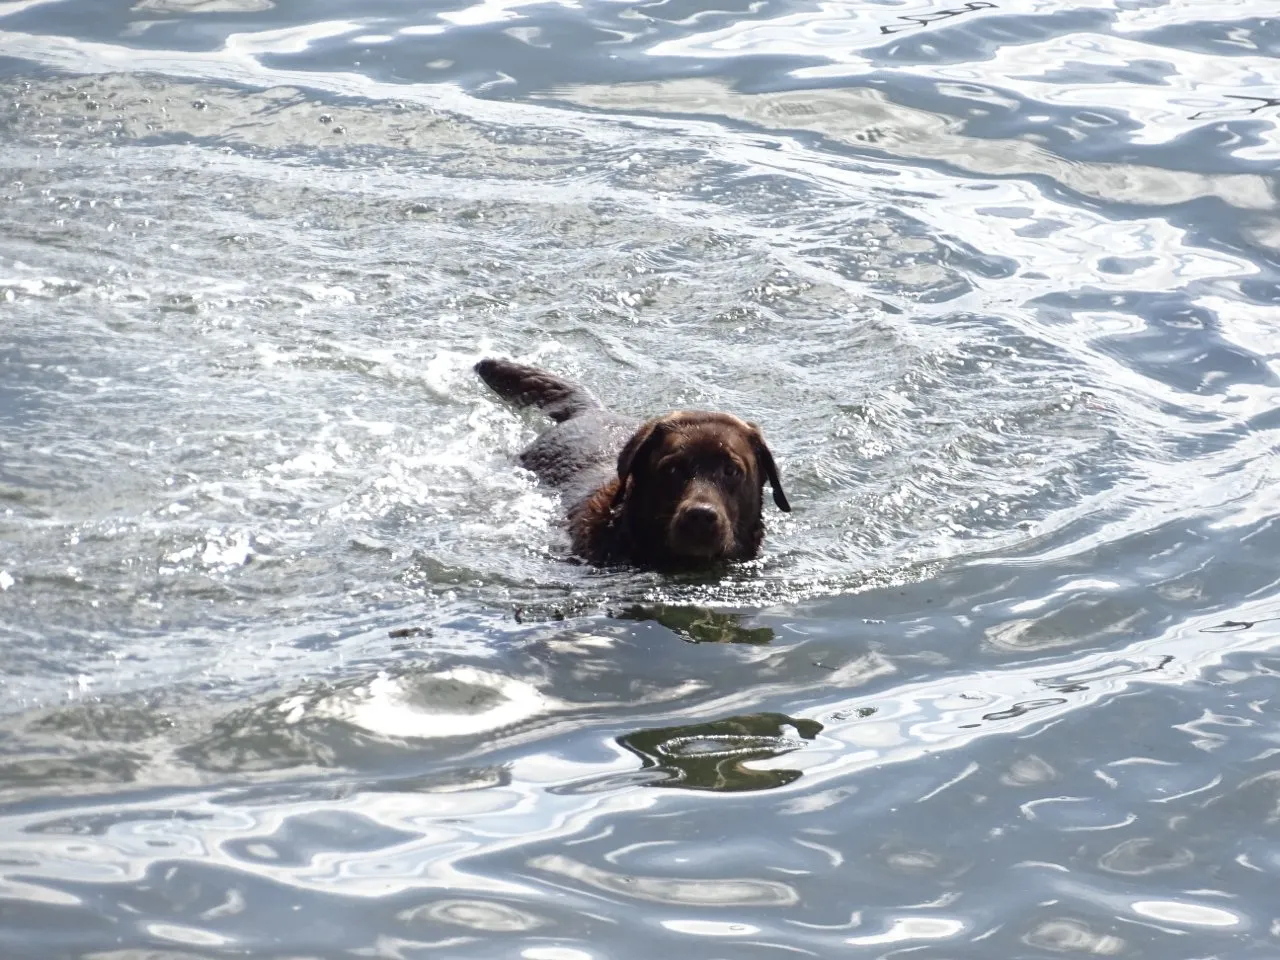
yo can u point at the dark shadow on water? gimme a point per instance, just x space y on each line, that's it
710 756
30 776
256 739
924 20
1235 626
698 624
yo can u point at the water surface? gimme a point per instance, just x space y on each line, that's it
293 661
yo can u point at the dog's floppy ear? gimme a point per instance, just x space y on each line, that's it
765 460
636 452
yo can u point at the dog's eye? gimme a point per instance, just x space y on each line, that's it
730 470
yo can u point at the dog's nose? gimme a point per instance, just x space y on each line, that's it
699 519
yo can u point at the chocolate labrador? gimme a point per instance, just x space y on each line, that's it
680 491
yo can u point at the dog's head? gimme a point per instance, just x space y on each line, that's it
691 487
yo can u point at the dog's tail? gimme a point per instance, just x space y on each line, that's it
529 387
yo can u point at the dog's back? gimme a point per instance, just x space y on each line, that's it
579 453
530 387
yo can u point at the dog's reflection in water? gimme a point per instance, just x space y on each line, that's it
698 624
710 756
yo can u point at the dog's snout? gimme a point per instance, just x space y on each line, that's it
699 518
700 530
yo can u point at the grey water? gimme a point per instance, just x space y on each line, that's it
293 661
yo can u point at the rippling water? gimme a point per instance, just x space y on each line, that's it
293 663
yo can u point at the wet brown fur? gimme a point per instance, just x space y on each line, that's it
684 492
